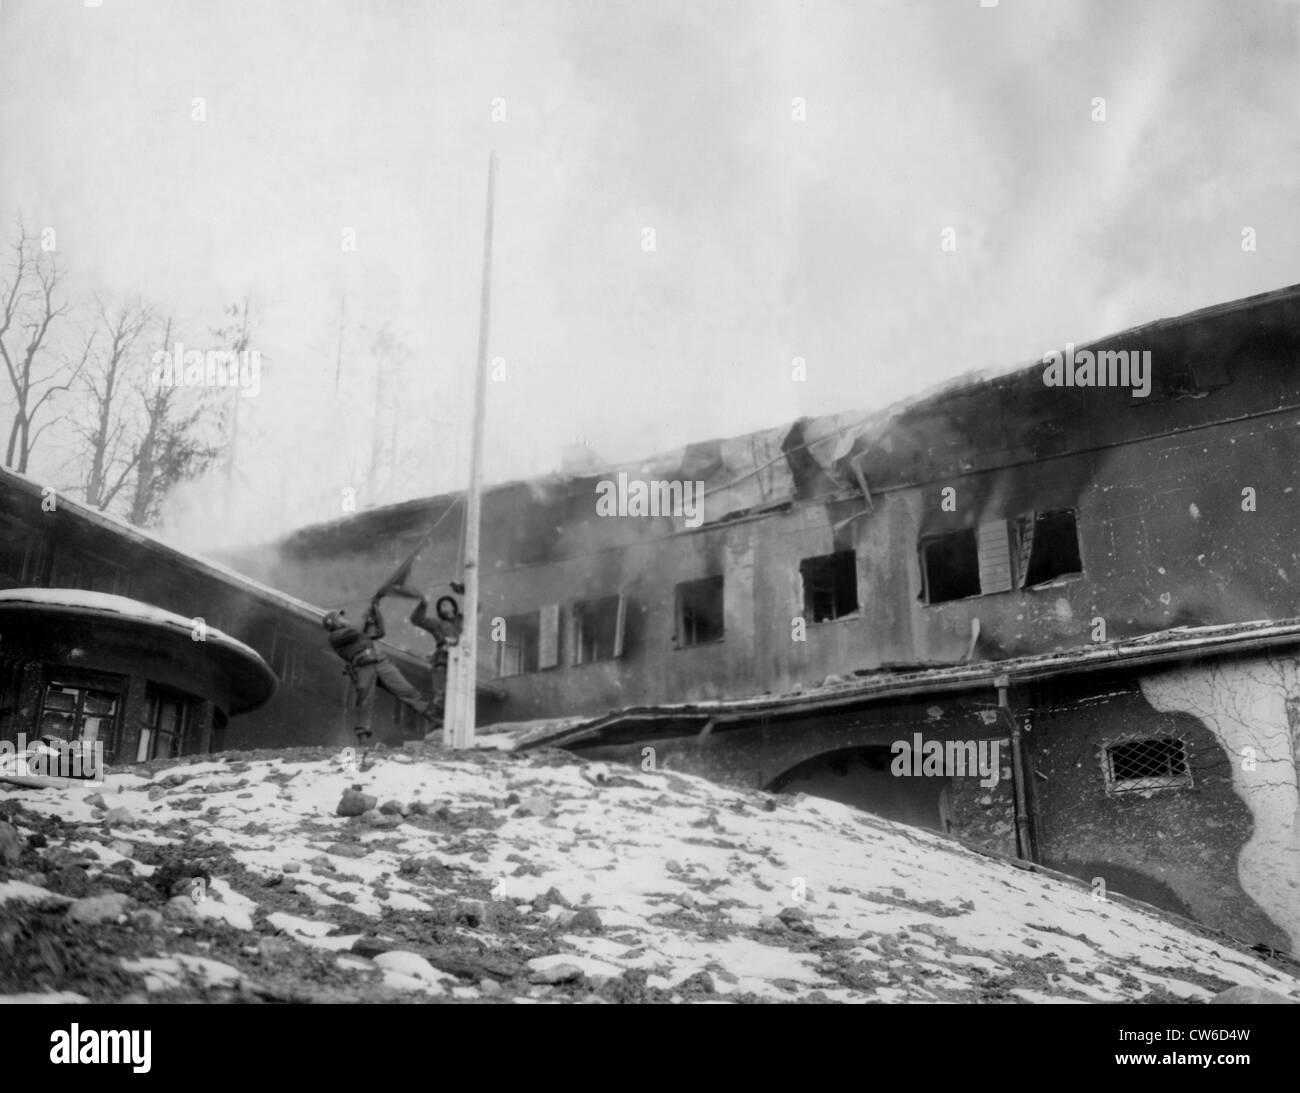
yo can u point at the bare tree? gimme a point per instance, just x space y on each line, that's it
181 439
109 377
27 310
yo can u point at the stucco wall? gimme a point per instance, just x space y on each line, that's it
1252 708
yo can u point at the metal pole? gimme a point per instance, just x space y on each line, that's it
460 719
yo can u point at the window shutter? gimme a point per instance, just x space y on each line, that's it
1026 525
994 558
548 638
619 625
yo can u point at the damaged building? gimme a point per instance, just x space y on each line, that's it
1101 581
108 634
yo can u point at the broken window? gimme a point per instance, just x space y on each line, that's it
1049 547
1147 763
517 652
597 629
830 585
699 611
950 566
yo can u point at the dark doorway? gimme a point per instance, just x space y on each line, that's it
861 777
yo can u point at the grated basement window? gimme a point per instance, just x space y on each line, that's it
1132 766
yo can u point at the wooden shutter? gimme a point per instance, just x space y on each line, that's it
620 624
1027 524
994 557
548 636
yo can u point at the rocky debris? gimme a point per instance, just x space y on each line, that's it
699 983
95 800
347 850
371 947
477 912
272 949
582 921
555 973
71 880
550 897
537 804
96 909
355 803
181 907
11 844
404 962
1250 996
279 915
118 817
146 919
796 919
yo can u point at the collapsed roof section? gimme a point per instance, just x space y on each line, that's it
977 420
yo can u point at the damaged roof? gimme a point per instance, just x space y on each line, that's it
815 457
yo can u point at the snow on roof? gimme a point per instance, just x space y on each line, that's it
77 601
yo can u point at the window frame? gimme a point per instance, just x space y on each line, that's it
84 683
578 612
829 560
502 646
679 616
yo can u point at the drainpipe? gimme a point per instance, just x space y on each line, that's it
1024 836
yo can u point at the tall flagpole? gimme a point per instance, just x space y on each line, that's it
459 724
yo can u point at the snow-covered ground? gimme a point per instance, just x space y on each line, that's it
535 877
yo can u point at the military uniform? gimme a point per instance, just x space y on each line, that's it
446 633
368 668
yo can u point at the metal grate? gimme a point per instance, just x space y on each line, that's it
1152 762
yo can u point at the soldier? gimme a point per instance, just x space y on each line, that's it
367 667
446 629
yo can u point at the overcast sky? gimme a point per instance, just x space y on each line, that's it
774 237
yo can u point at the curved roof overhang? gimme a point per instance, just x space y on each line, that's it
98 631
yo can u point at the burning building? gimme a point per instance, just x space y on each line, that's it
1099 578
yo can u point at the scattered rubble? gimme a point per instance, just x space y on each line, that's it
489 877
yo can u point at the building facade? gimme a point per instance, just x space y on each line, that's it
970 530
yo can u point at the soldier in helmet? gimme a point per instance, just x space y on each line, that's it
445 630
367 667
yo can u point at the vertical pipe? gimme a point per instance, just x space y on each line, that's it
1024 835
